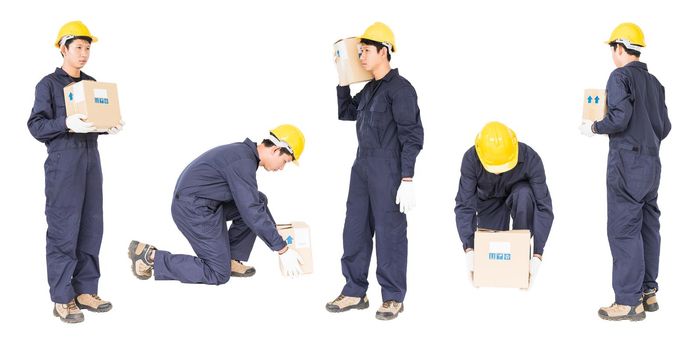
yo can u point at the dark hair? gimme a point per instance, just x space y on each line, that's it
71 40
629 51
268 143
378 45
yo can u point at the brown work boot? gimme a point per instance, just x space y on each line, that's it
92 302
389 310
141 263
68 313
345 303
649 300
618 312
240 270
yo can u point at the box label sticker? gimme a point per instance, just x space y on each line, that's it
78 93
101 96
341 51
302 236
499 251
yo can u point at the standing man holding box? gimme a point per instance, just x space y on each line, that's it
390 136
636 123
73 183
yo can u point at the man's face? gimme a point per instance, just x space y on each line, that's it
77 53
276 160
369 57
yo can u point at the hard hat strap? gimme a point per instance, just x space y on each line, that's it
65 38
629 45
282 144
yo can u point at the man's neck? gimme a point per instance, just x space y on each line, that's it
381 71
73 72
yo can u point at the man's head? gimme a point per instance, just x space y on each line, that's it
286 144
377 44
74 40
497 148
273 157
76 51
626 43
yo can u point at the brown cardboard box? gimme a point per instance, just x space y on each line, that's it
502 258
595 104
298 237
347 62
97 100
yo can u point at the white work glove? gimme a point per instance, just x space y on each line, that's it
470 264
290 263
534 267
115 130
77 123
586 128
406 196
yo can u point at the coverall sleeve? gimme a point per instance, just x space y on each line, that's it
544 215
251 206
465 209
619 106
347 105
406 114
43 123
664 115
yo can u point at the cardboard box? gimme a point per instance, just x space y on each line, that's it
502 258
595 104
97 100
348 63
298 236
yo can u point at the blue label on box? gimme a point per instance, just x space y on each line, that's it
499 256
100 100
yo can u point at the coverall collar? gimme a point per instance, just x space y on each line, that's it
61 73
253 147
637 64
389 76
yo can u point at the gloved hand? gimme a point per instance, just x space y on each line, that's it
77 123
470 264
115 130
534 267
290 260
470 260
586 128
406 196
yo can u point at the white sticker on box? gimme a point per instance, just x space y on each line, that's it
341 51
78 93
301 238
100 93
499 251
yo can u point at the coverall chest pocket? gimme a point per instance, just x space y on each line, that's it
379 115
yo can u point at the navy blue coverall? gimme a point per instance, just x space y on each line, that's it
636 122
390 136
73 188
218 186
488 200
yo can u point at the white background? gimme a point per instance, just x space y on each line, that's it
198 74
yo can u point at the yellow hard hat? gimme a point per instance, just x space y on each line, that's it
629 35
380 32
75 28
289 137
497 148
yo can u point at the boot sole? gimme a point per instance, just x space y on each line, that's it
360 306
633 318
68 320
92 309
386 316
244 275
133 264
